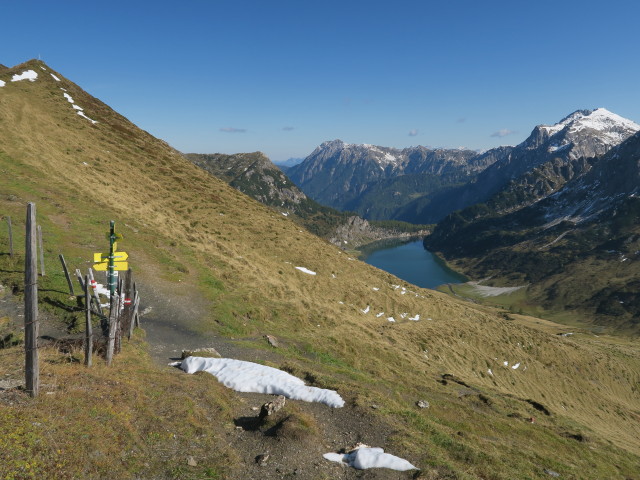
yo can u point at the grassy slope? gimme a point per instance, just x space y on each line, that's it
192 228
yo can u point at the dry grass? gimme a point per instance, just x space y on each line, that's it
188 232
114 422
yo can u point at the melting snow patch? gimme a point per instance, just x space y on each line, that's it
2 84
515 367
285 214
505 363
375 289
81 113
366 310
54 77
306 270
380 314
26 75
368 457
68 97
391 319
415 319
490 372
251 377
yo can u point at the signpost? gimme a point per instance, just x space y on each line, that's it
107 262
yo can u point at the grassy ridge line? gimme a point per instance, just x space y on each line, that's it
244 259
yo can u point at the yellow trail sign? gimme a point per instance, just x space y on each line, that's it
102 266
104 257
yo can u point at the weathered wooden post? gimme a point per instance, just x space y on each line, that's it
66 274
32 371
41 249
95 293
113 321
10 236
88 347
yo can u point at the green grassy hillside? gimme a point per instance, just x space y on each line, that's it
205 246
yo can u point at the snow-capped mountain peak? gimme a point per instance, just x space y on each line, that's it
613 126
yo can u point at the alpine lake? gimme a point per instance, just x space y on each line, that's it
410 261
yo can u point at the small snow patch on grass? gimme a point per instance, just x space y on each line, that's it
306 270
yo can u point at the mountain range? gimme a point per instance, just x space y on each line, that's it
461 390
255 175
420 185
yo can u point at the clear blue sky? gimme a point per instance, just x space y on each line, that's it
283 76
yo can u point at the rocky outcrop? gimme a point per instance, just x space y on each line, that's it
357 232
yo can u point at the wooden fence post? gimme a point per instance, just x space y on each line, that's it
41 250
96 296
113 320
32 372
88 347
10 236
66 274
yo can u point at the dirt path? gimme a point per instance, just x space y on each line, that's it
169 329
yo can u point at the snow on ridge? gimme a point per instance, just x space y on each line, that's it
54 77
604 121
599 119
81 113
244 376
30 75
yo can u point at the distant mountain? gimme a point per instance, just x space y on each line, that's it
289 162
340 174
537 167
578 248
255 175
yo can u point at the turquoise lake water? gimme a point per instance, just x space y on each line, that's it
412 263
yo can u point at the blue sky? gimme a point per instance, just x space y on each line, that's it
283 76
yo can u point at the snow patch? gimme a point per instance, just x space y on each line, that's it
251 377
486 291
26 75
367 457
306 270
81 113
415 319
2 84
54 77
366 310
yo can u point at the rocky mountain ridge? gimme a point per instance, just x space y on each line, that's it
357 177
336 173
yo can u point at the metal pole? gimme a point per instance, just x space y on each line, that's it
111 269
